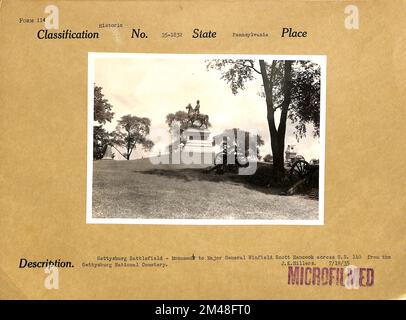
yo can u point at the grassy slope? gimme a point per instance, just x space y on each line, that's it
138 189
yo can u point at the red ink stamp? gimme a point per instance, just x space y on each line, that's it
350 277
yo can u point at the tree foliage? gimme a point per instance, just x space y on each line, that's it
102 107
101 138
130 132
179 119
305 106
102 114
291 90
304 91
235 72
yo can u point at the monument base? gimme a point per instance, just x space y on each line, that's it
198 148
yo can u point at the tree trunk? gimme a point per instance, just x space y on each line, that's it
277 149
128 154
128 145
278 158
287 83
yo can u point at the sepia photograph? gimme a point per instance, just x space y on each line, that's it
206 139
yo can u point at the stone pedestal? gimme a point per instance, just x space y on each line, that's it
197 140
198 148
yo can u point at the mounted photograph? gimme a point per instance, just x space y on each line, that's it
206 139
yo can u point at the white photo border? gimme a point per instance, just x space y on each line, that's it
320 59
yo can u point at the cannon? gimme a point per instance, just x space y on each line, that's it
303 174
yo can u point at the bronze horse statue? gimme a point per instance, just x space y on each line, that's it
195 115
203 120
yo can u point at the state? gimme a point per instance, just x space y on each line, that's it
198 33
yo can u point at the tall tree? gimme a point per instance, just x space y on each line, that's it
177 122
102 112
102 107
291 90
179 118
130 131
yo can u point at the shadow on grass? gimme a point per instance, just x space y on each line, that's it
259 181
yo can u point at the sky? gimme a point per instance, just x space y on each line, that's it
155 86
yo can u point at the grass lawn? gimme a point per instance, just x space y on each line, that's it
138 189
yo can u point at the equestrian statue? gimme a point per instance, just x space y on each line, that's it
195 118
